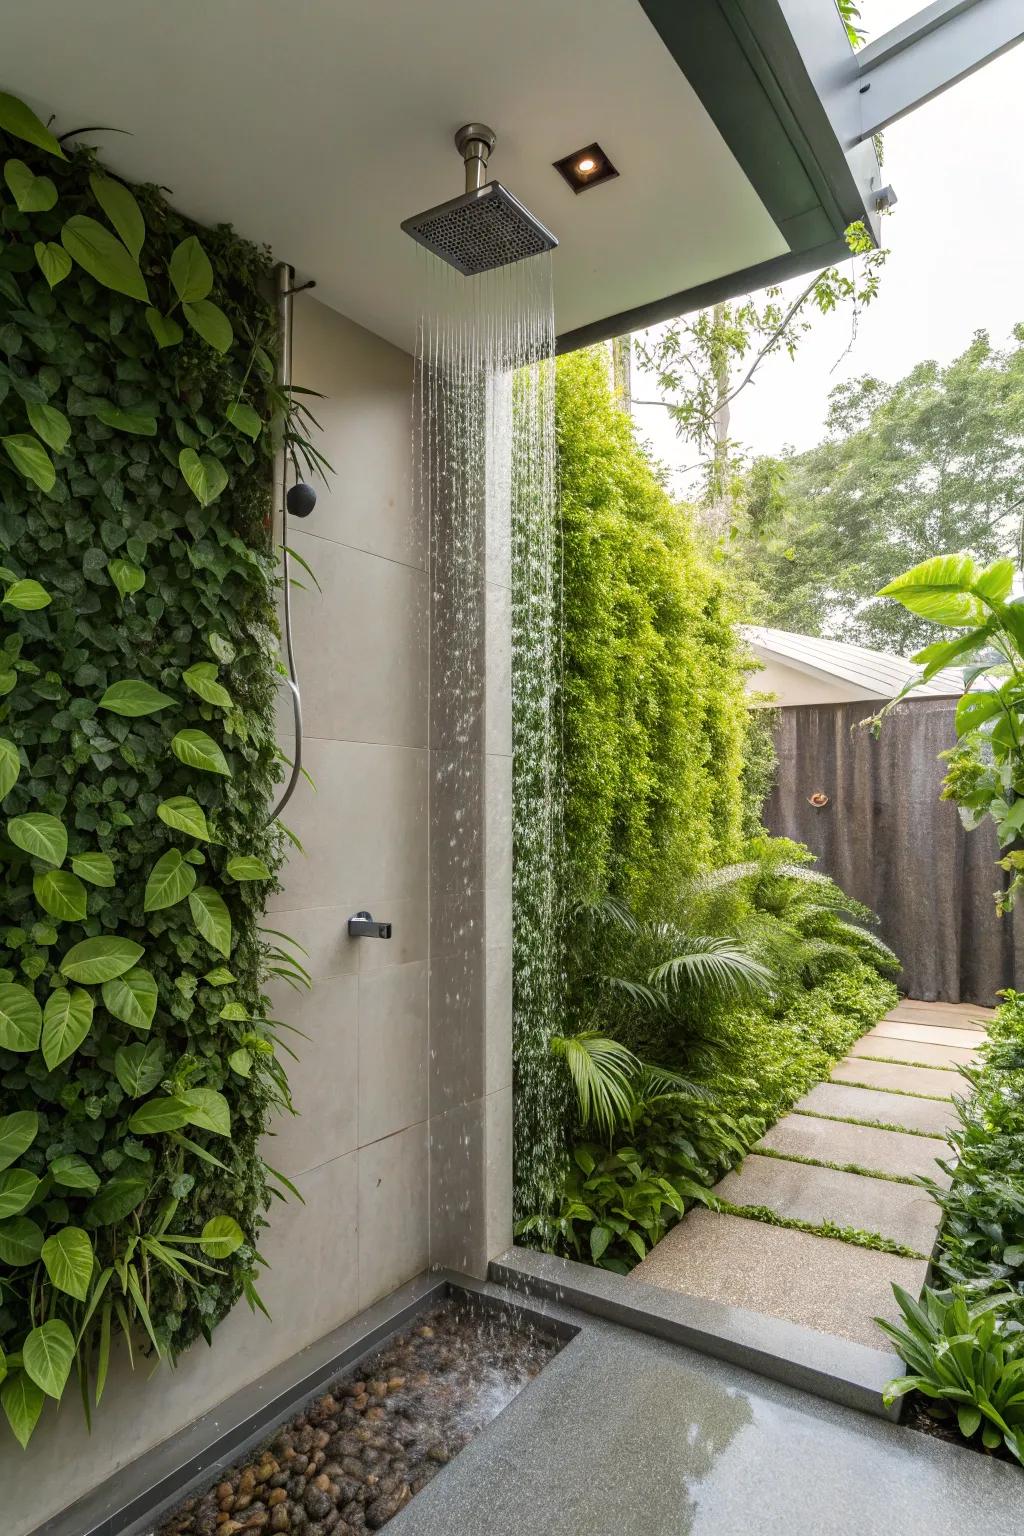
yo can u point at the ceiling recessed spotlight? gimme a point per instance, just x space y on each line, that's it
586 167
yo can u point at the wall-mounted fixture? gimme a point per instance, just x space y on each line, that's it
585 168
362 926
819 799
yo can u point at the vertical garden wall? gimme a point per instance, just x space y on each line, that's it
137 760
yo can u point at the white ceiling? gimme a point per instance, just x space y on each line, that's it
316 126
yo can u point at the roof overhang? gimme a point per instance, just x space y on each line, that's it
317 129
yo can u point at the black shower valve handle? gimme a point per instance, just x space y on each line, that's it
362 926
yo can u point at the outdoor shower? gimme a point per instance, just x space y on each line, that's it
486 227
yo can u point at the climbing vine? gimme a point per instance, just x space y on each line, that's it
138 1065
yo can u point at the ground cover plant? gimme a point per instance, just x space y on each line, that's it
138 1065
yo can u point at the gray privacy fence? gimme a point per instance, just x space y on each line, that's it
888 839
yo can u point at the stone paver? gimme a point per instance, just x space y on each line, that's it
925 1034
820 1282
833 1141
904 1078
914 1050
939 1016
872 1104
903 1212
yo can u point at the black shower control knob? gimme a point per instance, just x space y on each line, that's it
301 499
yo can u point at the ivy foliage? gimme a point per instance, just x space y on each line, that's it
137 760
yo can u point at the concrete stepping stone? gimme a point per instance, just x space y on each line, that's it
937 1010
914 1050
902 1212
834 1141
872 1104
824 1284
933 1017
904 1078
928 1034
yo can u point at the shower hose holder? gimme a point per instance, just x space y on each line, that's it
363 926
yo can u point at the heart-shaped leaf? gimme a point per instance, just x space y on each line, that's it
43 836
21 1018
191 272
197 750
210 322
134 698
221 1237
204 475
202 680
139 1068
21 123
49 424
22 1403
103 256
170 881
31 459
96 868
244 418
241 1062
138 422
166 332
220 976
243 867
132 998
121 209
69 1261
17 1133
116 1199
28 596
98 960
67 1019
21 1242
212 918
185 816
47 1354
73 1172
158 1116
61 894
17 1190
208 1110
127 578
53 261
33 194
10 766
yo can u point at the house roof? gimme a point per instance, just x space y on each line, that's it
877 674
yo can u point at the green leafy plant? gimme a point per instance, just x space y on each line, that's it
138 1062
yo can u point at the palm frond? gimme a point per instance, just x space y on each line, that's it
658 1083
609 912
715 968
636 991
602 1071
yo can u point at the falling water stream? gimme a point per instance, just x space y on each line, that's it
485 448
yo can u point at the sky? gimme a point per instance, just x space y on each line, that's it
956 262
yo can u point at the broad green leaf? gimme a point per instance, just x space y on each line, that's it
17 1189
202 680
204 475
67 1019
33 194
127 578
31 459
103 256
210 322
220 976
121 209
17 1133
973 709
69 1261
160 1115
98 960
184 815
212 918
134 698
53 261
28 596
166 332
240 1061
139 1068
116 1199
43 836
1014 1254
190 270
49 424
21 1242
940 590
21 1018
996 581
235 1012
198 750
221 1237
96 868
10 766
942 652
22 1403
21 123
73 1172
8 679
47 1354
244 418
208 1110
61 894
140 423
221 648
132 998
242 867
170 881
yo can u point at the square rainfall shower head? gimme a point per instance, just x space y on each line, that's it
481 230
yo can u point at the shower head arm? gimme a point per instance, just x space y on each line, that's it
474 141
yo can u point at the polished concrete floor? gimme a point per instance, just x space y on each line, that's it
625 1434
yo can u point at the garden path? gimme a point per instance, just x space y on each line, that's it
824 1214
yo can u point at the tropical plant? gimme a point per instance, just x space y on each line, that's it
138 1060
986 772
962 1362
